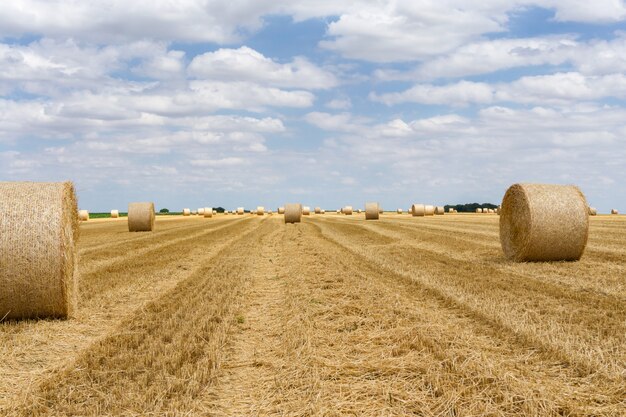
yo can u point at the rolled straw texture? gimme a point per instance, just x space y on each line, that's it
83 215
306 210
208 212
371 211
347 210
439 210
281 210
429 210
293 213
260 210
38 257
418 210
141 217
115 214
544 222
186 212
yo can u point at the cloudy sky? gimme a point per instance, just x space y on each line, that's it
328 102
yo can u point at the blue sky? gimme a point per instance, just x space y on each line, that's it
329 103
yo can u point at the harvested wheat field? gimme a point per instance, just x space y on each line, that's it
245 316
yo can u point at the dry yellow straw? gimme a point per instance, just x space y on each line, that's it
293 213
141 217
371 211
38 235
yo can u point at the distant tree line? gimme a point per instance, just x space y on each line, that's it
471 207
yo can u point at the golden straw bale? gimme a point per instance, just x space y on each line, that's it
593 211
281 210
208 212
141 217
186 212
240 210
450 210
614 211
83 215
371 211
323 211
479 210
339 211
260 210
318 210
544 222
38 257
214 212
293 213
359 211
306 210
439 210
418 210
200 211
429 210
347 210
115 214
399 211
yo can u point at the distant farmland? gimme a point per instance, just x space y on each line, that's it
245 315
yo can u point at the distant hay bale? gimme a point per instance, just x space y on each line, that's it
347 210
439 210
544 222
214 212
306 210
323 211
429 210
115 214
593 211
318 210
240 210
141 217
38 235
281 210
614 211
418 210
359 211
450 210
186 212
399 211
208 212
293 213
338 211
371 211
479 210
201 211
83 215
194 212
260 210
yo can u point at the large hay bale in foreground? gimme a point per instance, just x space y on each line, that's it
347 210
115 214
38 258
293 213
208 212
439 210
614 211
372 211
141 217
186 212
83 215
306 210
418 210
544 222
260 210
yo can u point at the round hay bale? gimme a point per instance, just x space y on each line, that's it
260 210
418 210
208 212
429 210
306 210
347 210
323 211
359 211
115 214
614 211
338 211
318 210
593 211
194 212
399 211
372 211
544 222
281 210
200 211
293 213
141 217
186 212
214 212
479 210
240 210
450 210
83 215
38 235
439 210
